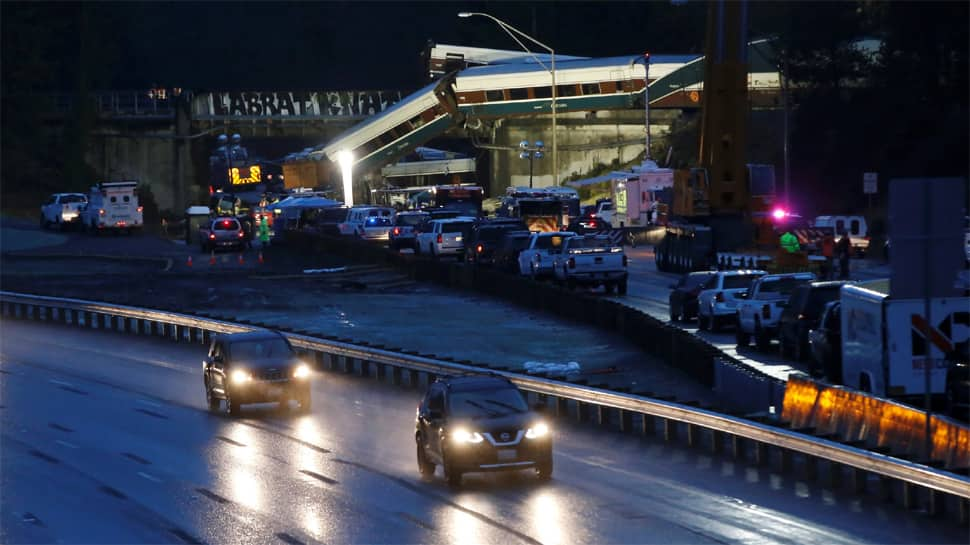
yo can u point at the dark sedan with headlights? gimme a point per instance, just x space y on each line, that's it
478 423
254 367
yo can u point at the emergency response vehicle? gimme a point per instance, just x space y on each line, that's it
113 206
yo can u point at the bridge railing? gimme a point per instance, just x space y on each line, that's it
628 412
117 104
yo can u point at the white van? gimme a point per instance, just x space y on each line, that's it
368 222
113 206
855 225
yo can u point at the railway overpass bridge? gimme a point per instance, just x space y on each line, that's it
163 137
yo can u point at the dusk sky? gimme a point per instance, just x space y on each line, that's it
338 45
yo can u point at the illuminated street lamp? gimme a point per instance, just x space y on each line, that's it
512 31
346 160
530 152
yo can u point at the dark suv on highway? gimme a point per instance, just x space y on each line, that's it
486 237
254 367
474 423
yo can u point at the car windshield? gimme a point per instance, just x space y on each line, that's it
817 299
410 219
545 243
226 225
73 198
739 281
491 233
260 349
693 280
783 286
597 242
486 403
455 227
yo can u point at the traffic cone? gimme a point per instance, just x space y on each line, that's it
259 257
240 259
189 261
212 258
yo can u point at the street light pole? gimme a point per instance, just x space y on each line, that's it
512 31
531 152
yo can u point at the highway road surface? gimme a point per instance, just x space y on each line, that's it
105 438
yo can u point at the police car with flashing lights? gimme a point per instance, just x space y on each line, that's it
368 222
480 423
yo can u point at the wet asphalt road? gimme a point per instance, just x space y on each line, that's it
106 440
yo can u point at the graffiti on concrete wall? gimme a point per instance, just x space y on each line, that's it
293 104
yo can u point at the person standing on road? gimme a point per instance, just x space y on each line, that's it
263 231
789 242
828 252
843 248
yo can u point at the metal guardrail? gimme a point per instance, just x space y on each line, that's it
567 398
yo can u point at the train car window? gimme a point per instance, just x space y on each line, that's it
542 92
566 90
518 94
494 96
619 87
591 88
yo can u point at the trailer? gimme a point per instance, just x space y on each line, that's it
888 343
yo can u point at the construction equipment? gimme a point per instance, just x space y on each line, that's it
724 198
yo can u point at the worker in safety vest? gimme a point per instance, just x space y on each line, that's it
789 242
828 252
264 231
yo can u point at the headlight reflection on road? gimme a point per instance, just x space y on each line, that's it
308 430
242 434
547 519
463 528
246 489
311 522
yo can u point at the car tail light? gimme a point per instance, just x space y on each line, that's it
240 234
766 311
479 248
397 231
225 223
140 209
212 236
624 260
101 211
440 238
719 297
572 262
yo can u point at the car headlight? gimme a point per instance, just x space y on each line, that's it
239 376
537 431
301 371
465 436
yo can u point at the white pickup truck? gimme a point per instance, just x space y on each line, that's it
537 259
759 310
62 209
591 260
717 304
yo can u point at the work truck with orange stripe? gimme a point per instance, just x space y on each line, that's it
888 343
544 210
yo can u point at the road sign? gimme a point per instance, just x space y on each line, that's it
870 182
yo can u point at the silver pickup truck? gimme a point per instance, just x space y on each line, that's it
759 310
591 260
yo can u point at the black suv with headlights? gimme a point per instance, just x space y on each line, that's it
474 423
254 367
